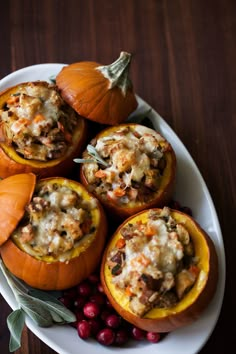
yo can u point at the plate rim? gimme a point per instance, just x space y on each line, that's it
219 241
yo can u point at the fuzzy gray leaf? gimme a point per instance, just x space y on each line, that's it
15 323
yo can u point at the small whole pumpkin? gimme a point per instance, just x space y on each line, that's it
56 237
101 93
159 270
129 167
39 132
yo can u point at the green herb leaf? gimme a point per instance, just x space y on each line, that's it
35 310
45 296
95 157
53 305
15 323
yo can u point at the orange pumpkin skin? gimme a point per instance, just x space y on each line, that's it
95 96
58 275
192 305
11 163
161 198
15 193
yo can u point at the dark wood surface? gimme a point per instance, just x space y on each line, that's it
184 65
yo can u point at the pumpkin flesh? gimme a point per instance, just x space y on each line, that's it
195 300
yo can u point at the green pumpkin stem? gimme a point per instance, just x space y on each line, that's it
118 72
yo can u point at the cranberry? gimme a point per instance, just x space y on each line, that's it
98 298
113 321
105 313
95 325
106 336
79 315
84 329
66 301
94 278
84 289
153 337
100 288
70 293
138 333
122 337
79 302
91 310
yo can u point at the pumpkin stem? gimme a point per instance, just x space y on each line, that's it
118 72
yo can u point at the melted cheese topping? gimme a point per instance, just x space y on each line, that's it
57 219
155 262
38 122
135 161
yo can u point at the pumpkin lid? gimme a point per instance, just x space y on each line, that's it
15 193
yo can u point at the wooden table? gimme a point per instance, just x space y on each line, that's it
184 65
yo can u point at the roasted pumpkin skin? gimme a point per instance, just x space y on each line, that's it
196 300
161 197
101 93
12 163
57 275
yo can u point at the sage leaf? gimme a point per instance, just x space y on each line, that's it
51 304
35 310
56 318
15 323
45 296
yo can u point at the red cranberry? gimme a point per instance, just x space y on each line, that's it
106 336
100 288
153 337
105 313
66 301
122 337
95 325
113 321
83 329
84 289
79 315
91 310
137 333
98 298
94 278
70 293
79 302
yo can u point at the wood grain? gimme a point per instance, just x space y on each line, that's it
184 58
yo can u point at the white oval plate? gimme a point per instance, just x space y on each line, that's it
191 191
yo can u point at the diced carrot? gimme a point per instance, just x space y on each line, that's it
128 291
13 99
120 243
100 174
142 259
150 231
119 192
39 118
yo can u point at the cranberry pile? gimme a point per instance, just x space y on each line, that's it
97 319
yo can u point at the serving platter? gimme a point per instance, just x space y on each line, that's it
191 191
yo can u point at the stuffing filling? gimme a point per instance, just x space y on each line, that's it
55 221
153 262
37 122
131 165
